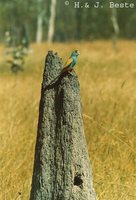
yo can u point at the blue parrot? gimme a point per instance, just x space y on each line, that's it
69 65
71 62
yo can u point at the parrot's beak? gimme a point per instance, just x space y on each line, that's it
78 53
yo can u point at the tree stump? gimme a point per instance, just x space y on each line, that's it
61 166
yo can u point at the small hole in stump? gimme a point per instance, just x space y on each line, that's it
78 181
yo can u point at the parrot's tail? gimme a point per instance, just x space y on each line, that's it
65 69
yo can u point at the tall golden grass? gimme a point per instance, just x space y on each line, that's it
108 91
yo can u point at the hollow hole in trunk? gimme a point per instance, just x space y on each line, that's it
78 181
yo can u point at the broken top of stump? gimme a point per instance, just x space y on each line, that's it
61 166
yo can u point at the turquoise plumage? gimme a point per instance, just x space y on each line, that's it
72 60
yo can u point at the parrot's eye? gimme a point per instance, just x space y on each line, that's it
77 52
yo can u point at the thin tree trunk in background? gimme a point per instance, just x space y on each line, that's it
62 166
115 24
52 21
39 33
40 15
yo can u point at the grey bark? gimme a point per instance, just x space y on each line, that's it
61 167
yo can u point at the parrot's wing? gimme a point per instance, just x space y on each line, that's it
68 63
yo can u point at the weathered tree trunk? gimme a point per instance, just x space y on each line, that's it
52 21
61 167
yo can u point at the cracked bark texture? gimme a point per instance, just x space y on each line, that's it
61 166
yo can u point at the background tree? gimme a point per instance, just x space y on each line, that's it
52 20
40 19
115 26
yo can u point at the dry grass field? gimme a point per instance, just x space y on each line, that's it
108 91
